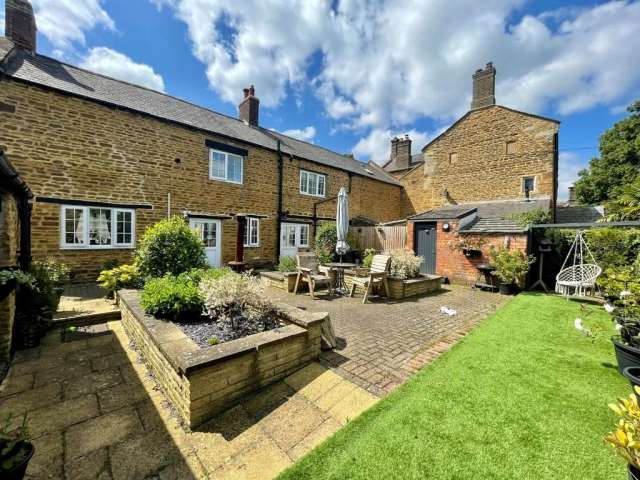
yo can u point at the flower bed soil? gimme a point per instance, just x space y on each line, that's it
224 331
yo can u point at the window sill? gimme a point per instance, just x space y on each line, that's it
97 247
251 246
213 179
312 196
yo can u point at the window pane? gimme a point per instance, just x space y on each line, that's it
217 165
247 227
209 237
304 235
99 226
73 226
312 183
529 183
254 231
291 236
234 168
321 185
303 182
124 230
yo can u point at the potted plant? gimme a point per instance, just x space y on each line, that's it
511 267
15 450
623 284
471 247
626 437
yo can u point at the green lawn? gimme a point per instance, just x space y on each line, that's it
524 396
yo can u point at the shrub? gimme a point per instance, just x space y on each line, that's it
171 298
405 265
511 266
21 278
287 264
49 276
326 241
56 272
626 438
369 253
234 295
532 217
124 276
197 275
169 247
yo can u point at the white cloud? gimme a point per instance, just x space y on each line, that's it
64 22
305 134
115 64
570 163
377 145
385 64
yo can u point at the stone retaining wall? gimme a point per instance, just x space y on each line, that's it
201 382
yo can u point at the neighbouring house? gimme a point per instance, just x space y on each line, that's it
15 209
105 159
572 212
473 179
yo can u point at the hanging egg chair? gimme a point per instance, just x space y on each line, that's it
578 279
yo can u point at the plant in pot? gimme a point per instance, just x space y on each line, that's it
471 247
511 267
625 440
624 285
15 449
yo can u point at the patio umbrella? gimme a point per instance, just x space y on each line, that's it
342 222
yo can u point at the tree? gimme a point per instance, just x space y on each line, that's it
618 164
626 206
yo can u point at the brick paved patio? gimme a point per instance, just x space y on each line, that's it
382 343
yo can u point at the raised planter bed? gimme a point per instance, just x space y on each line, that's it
399 288
201 382
285 281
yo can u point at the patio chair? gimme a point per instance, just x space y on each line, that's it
310 273
377 275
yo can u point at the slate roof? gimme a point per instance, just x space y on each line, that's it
6 46
579 214
51 73
491 217
393 166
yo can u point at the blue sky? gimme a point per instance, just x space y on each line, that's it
349 75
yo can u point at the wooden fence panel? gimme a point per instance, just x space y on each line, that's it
383 238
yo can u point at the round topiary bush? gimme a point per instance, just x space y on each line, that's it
169 247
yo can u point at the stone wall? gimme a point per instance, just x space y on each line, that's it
453 264
69 148
481 168
9 239
201 382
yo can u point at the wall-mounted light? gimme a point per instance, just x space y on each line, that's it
446 227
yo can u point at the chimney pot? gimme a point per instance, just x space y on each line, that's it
20 24
249 108
484 87
572 194
401 152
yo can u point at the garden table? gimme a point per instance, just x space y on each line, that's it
339 267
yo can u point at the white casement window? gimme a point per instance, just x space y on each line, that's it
312 183
96 227
304 236
225 166
252 232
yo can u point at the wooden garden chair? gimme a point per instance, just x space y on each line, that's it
309 273
377 275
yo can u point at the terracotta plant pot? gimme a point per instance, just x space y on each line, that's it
626 355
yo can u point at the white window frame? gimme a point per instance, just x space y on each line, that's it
85 228
226 167
253 224
299 233
310 177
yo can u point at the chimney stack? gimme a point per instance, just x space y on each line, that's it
484 87
249 107
20 24
401 152
572 194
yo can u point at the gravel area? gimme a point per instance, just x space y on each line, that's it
226 329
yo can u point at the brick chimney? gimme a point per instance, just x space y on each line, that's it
484 87
20 24
250 107
401 152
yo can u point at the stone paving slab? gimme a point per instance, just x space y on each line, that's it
108 420
382 343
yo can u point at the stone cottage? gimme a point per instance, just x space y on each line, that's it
105 159
472 181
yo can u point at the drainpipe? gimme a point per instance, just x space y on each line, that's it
315 205
280 188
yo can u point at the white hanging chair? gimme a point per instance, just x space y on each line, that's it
579 279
